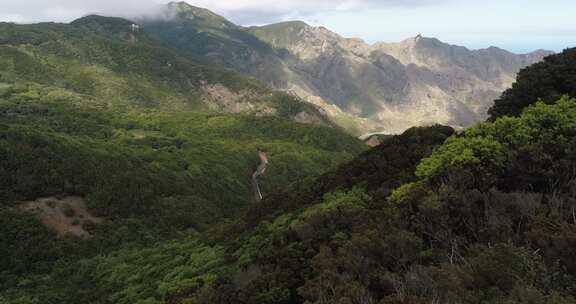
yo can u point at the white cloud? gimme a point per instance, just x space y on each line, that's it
68 10
13 18
242 11
262 11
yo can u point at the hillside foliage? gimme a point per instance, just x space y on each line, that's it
488 217
95 110
545 81
98 111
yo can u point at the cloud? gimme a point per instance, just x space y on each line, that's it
67 10
241 11
264 11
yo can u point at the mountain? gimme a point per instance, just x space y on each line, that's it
190 119
114 59
102 80
385 87
112 66
420 80
128 170
110 140
211 38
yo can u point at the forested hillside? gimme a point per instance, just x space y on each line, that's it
486 218
114 60
111 141
126 174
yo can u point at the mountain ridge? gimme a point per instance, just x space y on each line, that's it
380 87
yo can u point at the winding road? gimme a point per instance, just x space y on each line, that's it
259 172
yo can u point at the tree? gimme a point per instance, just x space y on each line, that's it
546 81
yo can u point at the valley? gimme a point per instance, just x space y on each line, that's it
180 158
157 145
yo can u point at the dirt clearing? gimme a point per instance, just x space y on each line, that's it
66 216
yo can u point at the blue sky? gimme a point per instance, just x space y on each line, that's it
517 25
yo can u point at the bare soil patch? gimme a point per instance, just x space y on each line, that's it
66 216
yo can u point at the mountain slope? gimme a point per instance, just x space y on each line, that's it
366 88
112 67
108 134
212 39
127 88
483 216
421 80
486 218
110 59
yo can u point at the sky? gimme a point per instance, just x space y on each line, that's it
516 25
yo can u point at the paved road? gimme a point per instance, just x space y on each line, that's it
259 172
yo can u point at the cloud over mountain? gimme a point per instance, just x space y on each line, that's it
260 11
241 11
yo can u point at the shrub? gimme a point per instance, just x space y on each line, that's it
68 210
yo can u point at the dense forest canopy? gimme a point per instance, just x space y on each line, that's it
485 218
546 81
96 111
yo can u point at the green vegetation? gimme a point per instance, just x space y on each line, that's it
488 218
280 35
96 110
118 273
105 65
102 58
545 81
163 171
207 37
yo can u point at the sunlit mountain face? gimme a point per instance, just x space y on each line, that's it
365 88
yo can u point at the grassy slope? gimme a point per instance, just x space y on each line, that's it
103 65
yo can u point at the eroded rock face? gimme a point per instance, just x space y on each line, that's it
419 81
394 86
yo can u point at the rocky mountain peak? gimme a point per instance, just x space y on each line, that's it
430 42
393 86
299 38
420 41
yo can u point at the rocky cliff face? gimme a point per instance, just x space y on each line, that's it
418 81
385 87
